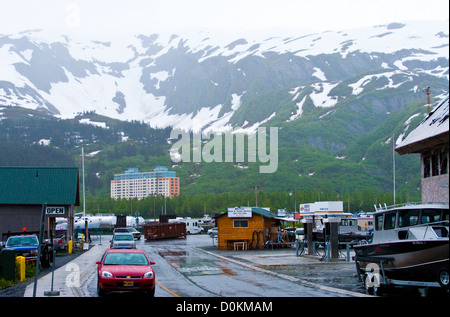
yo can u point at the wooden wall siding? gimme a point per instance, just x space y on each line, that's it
227 234
14 218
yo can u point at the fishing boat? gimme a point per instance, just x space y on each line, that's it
409 248
348 231
348 223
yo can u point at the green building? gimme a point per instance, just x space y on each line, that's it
24 191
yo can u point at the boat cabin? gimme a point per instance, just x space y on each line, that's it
411 222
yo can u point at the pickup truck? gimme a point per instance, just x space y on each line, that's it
27 246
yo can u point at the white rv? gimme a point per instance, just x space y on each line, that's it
192 225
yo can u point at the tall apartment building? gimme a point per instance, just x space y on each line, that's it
135 184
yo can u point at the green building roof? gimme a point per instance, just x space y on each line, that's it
39 185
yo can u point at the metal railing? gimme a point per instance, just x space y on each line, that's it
416 203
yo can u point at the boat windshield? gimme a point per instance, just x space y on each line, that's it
379 222
348 222
431 215
389 220
408 218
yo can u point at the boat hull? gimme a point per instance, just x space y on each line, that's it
412 260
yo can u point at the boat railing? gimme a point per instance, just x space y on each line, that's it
416 203
443 225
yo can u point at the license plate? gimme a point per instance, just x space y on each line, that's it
128 283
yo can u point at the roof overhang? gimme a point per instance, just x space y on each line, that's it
425 144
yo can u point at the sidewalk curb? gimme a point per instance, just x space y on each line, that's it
85 270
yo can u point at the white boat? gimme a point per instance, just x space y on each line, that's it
409 248
348 230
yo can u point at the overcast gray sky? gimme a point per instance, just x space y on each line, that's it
153 15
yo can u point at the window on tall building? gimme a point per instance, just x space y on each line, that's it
444 163
435 165
426 166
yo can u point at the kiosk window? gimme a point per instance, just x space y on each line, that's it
240 224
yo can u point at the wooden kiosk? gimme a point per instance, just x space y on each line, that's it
242 228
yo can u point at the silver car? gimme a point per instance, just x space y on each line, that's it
213 232
123 241
136 234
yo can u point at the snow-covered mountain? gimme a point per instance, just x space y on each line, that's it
221 80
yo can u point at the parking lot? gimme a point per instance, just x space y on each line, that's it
194 267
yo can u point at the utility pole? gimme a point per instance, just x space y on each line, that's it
154 207
256 194
295 206
427 91
84 195
41 238
393 164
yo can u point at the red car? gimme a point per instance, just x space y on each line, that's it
125 270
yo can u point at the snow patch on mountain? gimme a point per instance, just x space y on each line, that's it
321 97
138 77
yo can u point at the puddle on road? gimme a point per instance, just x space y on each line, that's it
227 271
193 265
166 253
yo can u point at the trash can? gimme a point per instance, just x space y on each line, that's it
8 264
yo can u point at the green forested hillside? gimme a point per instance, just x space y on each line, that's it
339 155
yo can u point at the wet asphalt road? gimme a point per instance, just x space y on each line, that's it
193 267
183 269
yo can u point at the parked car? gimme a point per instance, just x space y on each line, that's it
136 234
27 246
123 241
213 232
125 270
